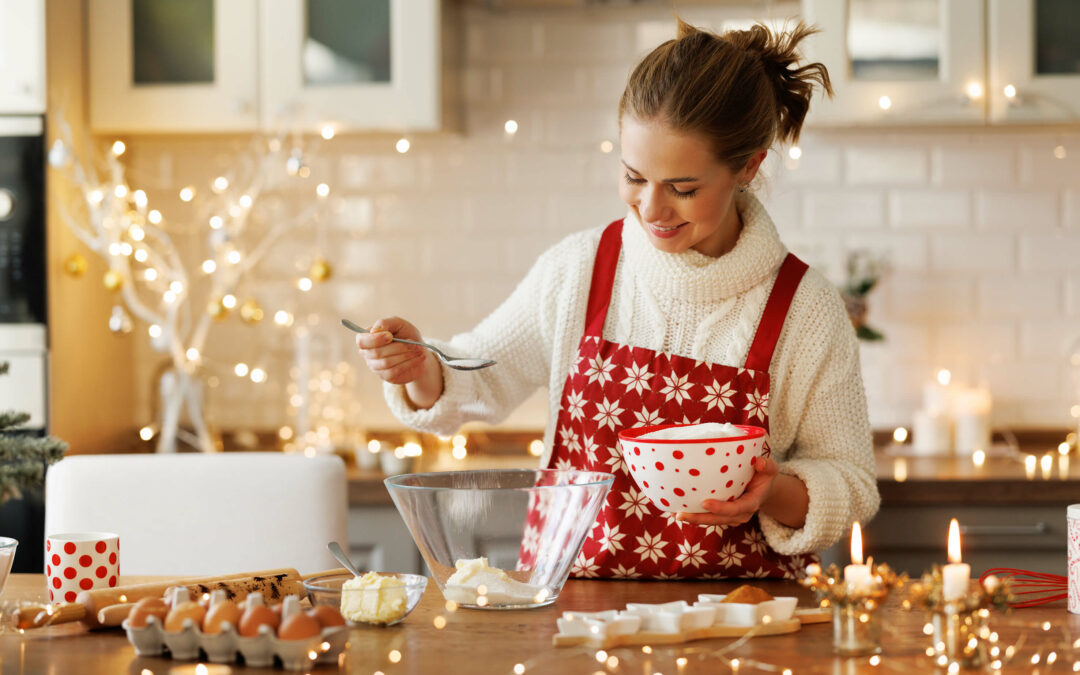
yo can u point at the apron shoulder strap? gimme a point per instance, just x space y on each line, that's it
603 278
776 309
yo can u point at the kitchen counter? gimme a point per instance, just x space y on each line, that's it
475 642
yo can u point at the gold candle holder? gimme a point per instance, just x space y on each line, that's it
958 627
856 612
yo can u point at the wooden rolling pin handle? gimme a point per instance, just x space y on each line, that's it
68 611
114 615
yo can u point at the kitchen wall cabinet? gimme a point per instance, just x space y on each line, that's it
22 57
923 62
246 65
1033 49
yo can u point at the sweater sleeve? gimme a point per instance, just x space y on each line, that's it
832 452
518 335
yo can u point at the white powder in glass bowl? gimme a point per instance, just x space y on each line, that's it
694 431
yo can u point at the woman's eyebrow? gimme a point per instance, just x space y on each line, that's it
684 179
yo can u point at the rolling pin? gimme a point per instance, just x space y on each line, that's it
273 584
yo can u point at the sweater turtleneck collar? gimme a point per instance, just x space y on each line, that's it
695 277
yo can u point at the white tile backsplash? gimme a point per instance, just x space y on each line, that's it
981 226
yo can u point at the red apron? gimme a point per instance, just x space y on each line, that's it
614 387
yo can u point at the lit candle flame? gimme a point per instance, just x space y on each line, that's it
856 544
954 541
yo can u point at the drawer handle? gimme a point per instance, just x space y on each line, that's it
1010 530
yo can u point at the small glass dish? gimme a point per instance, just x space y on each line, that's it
326 589
7 556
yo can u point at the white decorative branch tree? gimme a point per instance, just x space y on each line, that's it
148 269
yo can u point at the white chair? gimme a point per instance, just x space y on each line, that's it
204 514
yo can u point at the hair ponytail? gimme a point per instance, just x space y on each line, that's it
743 90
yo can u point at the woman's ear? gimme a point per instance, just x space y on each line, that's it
752 165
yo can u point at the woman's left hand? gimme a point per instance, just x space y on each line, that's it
742 509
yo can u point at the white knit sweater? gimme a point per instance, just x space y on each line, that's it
696 306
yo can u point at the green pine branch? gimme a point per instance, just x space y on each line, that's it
23 458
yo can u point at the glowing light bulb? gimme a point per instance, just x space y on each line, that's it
118 148
884 102
322 189
606 147
228 301
96 196
187 194
511 127
146 433
283 318
245 201
120 191
794 152
258 375
304 284
154 330
327 132
136 233
402 145
192 354
1059 152
978 458
536 448
150 274
142 256
233 256
974 91
176 287
1009 91
140 199
900 434
221 184
944 377
216 222
208 266
154 216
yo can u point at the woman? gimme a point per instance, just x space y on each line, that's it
688 309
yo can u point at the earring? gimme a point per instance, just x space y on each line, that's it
744 187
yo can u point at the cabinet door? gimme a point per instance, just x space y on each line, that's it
158 66
22 57
362 65
1034 60
899 61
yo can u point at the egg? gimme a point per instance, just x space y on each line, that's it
299 626
326 616
174 621
256 616
146 608
225 611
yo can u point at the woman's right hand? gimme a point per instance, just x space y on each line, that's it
399 363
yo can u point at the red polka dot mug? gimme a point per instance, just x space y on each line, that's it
80 561
679 474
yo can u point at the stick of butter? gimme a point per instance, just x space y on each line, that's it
373 598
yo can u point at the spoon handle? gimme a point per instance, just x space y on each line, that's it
342 557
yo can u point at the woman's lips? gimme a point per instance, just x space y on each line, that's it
665 232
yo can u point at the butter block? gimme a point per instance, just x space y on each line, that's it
373 598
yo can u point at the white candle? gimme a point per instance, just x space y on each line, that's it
971 420
931 432
856 575
956 574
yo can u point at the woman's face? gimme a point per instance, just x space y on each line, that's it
682 195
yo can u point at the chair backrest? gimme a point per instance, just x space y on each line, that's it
204 514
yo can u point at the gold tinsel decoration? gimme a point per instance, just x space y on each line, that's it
217 309
320 270
75 265
251 312
113 280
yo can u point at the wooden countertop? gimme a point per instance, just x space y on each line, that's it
475 642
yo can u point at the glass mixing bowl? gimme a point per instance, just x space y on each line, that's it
504 538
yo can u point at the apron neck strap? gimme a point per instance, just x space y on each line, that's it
776 309
603 278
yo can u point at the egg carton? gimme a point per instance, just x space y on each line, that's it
190 642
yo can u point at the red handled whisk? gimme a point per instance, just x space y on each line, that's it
1040 586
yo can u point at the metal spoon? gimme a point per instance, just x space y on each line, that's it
343 558
451 361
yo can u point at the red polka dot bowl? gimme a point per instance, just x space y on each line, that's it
677 475
80 561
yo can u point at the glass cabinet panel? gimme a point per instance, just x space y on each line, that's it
347 42
1057 50
172 41
890 40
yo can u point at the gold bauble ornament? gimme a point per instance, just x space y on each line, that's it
75 265
320 270
113 280
251 312
217 309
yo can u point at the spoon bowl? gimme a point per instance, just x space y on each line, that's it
454 362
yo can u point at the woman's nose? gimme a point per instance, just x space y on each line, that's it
652 206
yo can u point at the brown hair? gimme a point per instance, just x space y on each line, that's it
742 90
